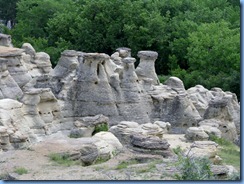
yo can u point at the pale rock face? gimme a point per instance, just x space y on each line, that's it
225 129
8 87
15 65
125 129
146 67
18 127
5 40
83 85
171 104
84 127
124 52
203 149
211 130
200 97
196 134
150 144
216 104
109 144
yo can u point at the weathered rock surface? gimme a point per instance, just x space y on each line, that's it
5 40
216 105
125 129
46 100
150 144
196 134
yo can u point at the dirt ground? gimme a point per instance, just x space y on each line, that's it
39 166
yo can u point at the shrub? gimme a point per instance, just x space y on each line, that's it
62 159
193 168
100 128
125 164
21 170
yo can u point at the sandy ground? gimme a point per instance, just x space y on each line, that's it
39 166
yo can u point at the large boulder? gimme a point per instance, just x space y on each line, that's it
125 129
196 134
5 40
150 144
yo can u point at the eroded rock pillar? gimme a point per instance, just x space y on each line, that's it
146 67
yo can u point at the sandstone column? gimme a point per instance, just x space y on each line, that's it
146 67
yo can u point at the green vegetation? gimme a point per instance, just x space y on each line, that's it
177 150
229 152
75 136
62 159
193 168
100 127
197 41
101 160
125 164
150 167
21 170
163 78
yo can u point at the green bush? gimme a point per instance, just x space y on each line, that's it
100 128
125 164
21 170
62 159
163 78
193 168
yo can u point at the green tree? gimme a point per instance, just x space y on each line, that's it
8 10
32 17
213 57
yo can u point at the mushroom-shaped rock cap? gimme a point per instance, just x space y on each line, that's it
128 60
148 54
28 49
174 82
96 56
123 48
42 56
124 52
70 53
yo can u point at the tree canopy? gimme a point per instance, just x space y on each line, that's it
197 41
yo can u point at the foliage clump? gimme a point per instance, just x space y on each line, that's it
62 159
192 168
21 170
100 127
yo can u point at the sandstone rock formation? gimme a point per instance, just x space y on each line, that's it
5 40
37 100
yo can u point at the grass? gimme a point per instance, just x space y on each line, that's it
21 170
150 167
101 160
229 152
62 159
125 164
100 128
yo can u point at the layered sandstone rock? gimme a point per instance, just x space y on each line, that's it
46 100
